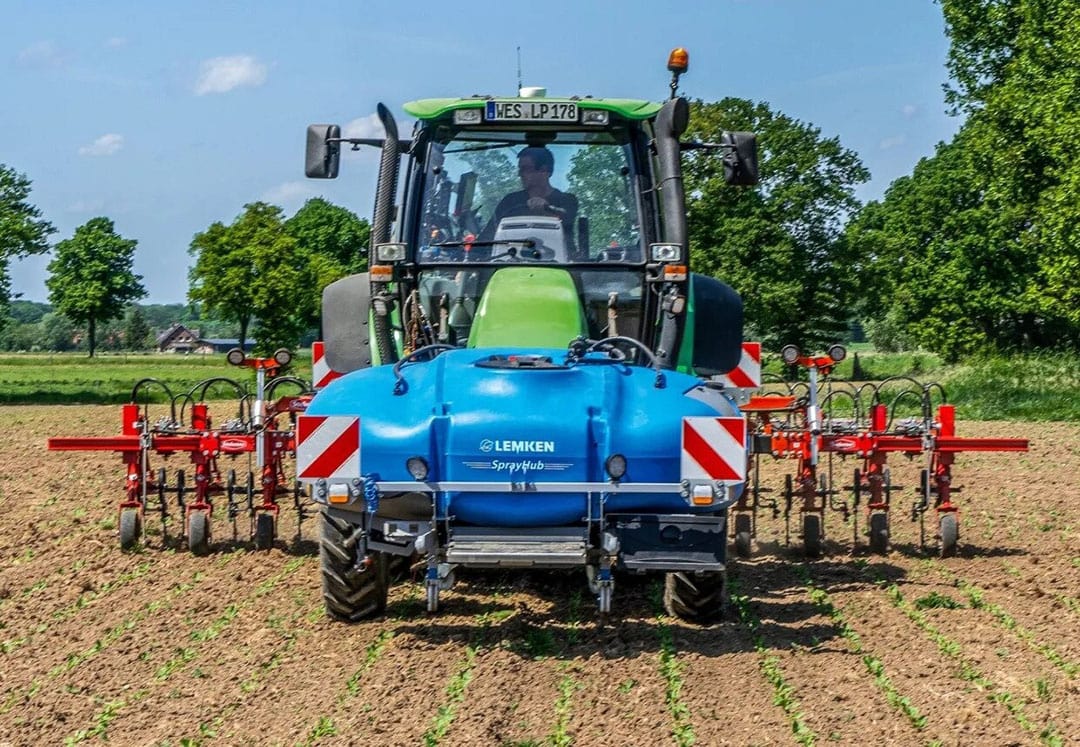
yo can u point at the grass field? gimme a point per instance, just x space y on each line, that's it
1037 387
108 379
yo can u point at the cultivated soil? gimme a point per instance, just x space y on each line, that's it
160 647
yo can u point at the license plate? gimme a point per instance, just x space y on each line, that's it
531 111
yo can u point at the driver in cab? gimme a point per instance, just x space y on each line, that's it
538 197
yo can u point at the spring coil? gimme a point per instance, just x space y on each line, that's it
371 493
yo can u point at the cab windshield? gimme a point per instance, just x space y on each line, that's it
560 197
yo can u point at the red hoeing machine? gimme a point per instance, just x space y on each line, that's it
800 425
263 430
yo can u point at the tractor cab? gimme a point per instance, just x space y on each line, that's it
557 198
531 221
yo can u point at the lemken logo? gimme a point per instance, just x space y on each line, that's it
517 447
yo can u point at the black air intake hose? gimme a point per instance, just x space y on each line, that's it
388 175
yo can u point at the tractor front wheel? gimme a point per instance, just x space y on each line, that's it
351 591
696 597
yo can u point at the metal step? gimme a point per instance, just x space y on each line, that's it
531 547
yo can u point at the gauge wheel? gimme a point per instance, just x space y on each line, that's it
742 535
812 535
198 531
264 530
879 533
130 528
949 528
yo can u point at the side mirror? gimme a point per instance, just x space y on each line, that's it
323 151
740 158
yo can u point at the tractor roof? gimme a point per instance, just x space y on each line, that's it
628 108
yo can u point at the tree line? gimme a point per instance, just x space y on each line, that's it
977 250
259 276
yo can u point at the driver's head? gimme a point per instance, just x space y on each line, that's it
535 163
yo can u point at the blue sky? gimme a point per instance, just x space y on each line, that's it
167 117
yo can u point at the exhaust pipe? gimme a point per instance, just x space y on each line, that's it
382 302
671 123
388 176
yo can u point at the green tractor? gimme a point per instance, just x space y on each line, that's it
528 358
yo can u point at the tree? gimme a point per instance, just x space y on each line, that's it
601 183
57 332
223 277
321 227
332 242
90 278
781 245
22 231
251 269
979 249
136 329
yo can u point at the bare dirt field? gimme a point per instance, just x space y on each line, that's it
159 647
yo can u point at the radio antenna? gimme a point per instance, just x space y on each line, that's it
519 69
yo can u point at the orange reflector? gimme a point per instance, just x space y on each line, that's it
381 273
339 498
678 61
703 495
675 272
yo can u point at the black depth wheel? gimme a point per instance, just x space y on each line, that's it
699 598
264 530
811 527
350 593
950 533
130 528
879 532
742 535
198 531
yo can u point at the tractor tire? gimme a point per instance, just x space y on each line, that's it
198 532
350 594
698 598
742 535
949 529
264 530
879 533
130 528
811 527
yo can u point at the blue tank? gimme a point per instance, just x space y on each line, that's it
474 416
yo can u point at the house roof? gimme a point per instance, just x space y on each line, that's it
173 331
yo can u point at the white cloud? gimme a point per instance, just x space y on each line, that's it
909 110
288 193
115 42
222 74
87 206
43 54
106 145
366 127
892 142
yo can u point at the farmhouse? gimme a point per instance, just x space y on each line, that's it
177 339
181 339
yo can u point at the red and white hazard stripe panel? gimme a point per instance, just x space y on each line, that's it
321 373
327 447
747 375
713 448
